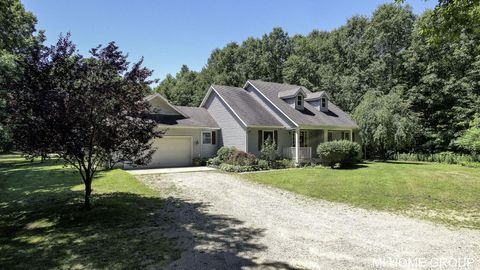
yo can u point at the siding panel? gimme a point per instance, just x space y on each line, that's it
283 140
233 133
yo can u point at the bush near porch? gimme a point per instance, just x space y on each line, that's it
230 159
342 153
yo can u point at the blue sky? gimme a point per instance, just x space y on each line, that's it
171 33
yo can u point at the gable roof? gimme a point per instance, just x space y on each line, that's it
157 95
194 117
290 93
245 106
315 95
309 116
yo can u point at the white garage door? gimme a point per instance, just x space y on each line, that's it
172 152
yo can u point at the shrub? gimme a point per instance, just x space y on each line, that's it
471 164
214 162
284 164
343 152
224 153
241 158
236 168
443 157
470 140
269 151
200 161
263 164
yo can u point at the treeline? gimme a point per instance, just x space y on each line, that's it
417 76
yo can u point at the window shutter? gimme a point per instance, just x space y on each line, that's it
260 140
275 138
214 137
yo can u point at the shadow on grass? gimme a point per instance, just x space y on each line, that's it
42 227
353 167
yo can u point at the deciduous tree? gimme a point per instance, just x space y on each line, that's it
387 124
17 27
90 111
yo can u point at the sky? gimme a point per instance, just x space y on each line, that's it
171 33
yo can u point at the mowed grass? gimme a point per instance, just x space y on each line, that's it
448 194
42 226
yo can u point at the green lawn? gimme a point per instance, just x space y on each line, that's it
442 193
42 226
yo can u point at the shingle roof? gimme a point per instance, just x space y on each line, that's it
246 106
290 92
314 95
196 117
309 116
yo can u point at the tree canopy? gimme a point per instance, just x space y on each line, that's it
393 50
387 124
17 27
89 111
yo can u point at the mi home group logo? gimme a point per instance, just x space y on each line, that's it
426 263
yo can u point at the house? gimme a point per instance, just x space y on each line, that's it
297 119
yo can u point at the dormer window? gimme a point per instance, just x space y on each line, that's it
294 97
299 101
319 100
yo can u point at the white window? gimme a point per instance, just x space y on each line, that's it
206 137
299 101
324 102
346 135
268 135
209 137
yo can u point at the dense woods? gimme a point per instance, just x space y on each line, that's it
420 74
410 81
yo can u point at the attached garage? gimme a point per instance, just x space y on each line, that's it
188 132
172 151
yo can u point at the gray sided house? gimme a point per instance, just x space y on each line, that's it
297 119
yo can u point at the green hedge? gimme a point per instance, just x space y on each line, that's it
344 153
241 158
443 157
224 153
236 168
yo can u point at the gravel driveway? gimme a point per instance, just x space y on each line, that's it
222 222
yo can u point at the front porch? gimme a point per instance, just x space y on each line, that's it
304 142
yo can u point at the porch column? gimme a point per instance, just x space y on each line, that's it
351 135
297 145
325 135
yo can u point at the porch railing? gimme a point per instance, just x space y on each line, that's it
304 153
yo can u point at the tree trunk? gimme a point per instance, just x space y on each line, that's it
365 150
88 192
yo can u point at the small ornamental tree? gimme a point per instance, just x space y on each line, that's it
91 111
268 151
